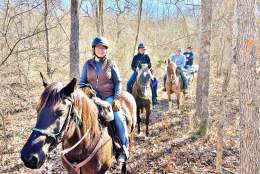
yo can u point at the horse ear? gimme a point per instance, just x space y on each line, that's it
44 80
69 88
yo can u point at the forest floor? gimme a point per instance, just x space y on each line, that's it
170 147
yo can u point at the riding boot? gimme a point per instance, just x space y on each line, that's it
164 82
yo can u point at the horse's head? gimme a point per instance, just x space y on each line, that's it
144 75
172 72
54 114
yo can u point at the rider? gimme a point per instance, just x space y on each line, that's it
180 60
141 58
189 57
103 75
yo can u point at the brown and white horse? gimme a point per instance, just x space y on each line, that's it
174 84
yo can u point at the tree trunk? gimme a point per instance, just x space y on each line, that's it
201 116
228 58
138 23
248 88
48 63
74 39
100 17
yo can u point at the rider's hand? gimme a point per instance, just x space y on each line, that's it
90 92
116 105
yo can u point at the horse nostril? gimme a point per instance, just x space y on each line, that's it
34 161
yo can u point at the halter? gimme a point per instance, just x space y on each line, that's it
57 137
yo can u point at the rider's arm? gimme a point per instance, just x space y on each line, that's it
133 64
148 61
182 62
117 80
83 78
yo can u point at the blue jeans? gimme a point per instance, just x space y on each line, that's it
184 79
120 124
154 88
131 82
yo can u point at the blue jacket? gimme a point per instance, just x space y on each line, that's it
140 59
189 57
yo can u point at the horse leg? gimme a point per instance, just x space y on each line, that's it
178 98
169 102
148 112
138 120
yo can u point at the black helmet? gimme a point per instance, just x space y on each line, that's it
100 41
141 45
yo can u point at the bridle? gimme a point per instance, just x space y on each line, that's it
57 138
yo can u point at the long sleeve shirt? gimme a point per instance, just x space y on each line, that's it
140 59
179 60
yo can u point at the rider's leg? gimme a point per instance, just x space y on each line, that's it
164 82
184 79
131 82
154 85
121 127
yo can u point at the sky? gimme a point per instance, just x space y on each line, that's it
151 6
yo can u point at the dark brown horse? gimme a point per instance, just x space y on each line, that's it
174 84
142 94
67 115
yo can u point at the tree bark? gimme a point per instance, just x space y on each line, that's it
201 116
228 58
74 40
48 62
100 17
248 88
138 23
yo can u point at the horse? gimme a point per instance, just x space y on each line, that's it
174 84
66 114
142 94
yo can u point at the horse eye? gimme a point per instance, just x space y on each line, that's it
59 113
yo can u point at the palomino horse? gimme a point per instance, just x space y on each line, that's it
142 93
67 115
174 84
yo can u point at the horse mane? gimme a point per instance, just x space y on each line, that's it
50 95
171 67
89 112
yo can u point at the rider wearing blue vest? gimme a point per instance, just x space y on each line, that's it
141 58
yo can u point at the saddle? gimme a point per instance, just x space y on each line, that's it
105 116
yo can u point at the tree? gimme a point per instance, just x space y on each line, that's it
138 23
201 116
100 17
74 39
48 63
227 33
248 88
